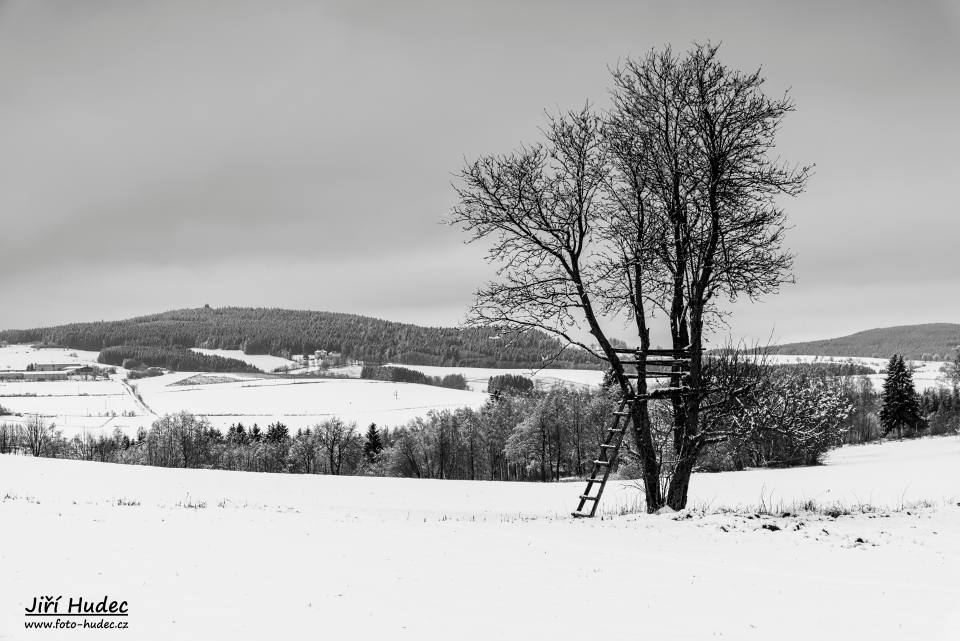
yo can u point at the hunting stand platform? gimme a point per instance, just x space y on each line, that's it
678 362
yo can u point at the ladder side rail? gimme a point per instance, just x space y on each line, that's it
595 477
615 432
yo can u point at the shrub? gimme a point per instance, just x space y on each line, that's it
145 373
404 375
510 383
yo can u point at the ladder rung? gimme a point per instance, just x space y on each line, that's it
580 515
608 446
589 498
655 375
655 352
621 413
594 480
614 430
599 462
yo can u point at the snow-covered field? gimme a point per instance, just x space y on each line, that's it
263 362
18 357
926 374
75 406
477 377
300 403
281 556
92 406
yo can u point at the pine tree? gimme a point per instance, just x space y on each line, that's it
373 444
277 433
901 405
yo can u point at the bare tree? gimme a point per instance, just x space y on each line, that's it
339 442
664 207
545 211
692 141
39 436
10 437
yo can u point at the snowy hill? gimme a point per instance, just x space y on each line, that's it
936 341
295 553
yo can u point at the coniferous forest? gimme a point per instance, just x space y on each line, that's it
173 358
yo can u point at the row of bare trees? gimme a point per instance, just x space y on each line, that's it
535 435
36 437
655 210
518 437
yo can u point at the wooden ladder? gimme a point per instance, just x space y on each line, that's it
609 449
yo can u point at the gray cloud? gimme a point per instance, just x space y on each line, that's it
165 154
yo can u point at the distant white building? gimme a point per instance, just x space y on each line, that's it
52 367
11 375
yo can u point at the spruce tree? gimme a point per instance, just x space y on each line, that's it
901 405
373 444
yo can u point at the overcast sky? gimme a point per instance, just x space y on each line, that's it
162 154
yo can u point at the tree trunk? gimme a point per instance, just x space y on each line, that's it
643 431
642 434
687 419
680 483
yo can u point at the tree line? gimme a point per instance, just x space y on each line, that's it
396 374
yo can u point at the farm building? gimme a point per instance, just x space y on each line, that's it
51 367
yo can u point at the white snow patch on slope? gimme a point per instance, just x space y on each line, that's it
477 377
18 357
263 362
926 374
301 403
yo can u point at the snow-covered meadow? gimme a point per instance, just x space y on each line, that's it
207 554
926 374
263 362
92 407
299 403
477 377
18 357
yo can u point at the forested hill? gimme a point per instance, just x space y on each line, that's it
932 341
284 332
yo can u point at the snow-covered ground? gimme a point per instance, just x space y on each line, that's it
92 407
95 406
300 403
926 374
75 406
281 556
477 377
263 362
18 357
